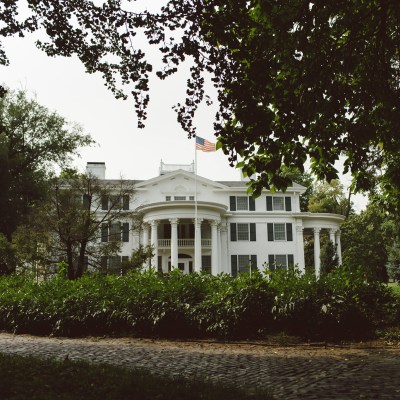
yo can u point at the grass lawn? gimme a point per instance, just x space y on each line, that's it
24 378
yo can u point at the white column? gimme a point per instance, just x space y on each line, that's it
339 246
174 242
317 251
154 243
145 238
332 233
224 264
300 248
219 248
214 247
197 244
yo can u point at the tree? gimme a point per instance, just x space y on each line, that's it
295 79
32 141
329 258
305 179
329 198
88 219
365 243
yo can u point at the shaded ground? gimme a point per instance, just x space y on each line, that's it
308 371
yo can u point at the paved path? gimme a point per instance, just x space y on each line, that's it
300 372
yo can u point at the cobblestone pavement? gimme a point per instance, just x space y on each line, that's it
298 372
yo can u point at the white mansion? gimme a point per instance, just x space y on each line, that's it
223 230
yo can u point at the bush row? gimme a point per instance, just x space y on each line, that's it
340 305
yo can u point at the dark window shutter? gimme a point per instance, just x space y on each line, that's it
234 265
254 266
125 232
104 232
233 233
252 204
288 203
104 202
104 263
271 262
253 232
86 202
159 263
232 201
125 202
270 232
269 203
290 259
289 232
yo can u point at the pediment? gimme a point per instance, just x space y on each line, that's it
180 179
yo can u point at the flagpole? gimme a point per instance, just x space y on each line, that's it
195 207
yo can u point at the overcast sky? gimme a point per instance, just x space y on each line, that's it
62 85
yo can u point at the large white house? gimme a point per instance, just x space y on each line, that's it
222 229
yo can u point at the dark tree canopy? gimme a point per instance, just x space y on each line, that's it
295 79
32 141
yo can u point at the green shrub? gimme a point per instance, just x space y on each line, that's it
342 304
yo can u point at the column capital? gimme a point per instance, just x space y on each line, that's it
338 232
214 222
199 220
174 220
299 229
154 222
333 231
317 230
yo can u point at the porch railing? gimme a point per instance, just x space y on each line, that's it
166 243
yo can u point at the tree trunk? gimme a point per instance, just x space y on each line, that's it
70 261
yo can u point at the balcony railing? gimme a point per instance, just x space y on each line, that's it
166 243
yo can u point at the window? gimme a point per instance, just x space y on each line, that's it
179 198
115 202
280 232
191 198
280 261
125 202
242 203
243 232
242 263
206 264
279 203
115 232
167 198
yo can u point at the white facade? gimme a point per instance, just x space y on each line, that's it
232 231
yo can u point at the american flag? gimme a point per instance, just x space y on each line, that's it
204 145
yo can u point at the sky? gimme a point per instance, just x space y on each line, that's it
62 85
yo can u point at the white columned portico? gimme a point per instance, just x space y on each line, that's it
300 247
174 242
339 246
154 243
214 247
197 244
317 251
